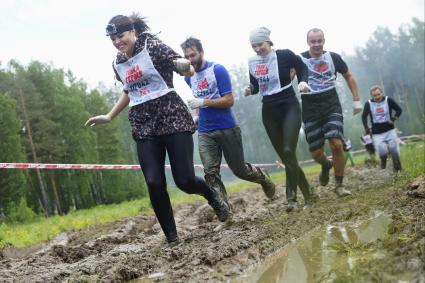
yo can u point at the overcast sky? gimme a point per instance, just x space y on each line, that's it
71 34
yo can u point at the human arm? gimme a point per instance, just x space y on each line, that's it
302 74
222 102
352 85
224 87
166 57
183 67
300 68
253 87
394 106
118 107
365 114
342 68
290 65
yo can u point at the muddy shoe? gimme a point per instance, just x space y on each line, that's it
292 206
173 243
341 191
311 201
314 195
324 174
269 188
219 205
308 206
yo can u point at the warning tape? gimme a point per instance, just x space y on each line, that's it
98 166
46 166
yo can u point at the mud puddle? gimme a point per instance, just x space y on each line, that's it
314 257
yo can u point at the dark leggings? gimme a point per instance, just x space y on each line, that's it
151 153
282 121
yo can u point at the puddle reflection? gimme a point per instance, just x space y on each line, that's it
313 257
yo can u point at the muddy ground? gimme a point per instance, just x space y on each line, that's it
135 248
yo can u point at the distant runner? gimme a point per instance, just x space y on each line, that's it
380 110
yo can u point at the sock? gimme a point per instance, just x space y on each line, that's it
338 180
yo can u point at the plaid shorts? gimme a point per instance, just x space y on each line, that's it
316 131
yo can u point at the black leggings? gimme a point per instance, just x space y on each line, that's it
151 153
282 121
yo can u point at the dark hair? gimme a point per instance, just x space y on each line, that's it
315 30
191 42
139 23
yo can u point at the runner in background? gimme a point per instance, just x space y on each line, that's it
380 111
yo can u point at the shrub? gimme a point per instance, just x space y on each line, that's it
20 213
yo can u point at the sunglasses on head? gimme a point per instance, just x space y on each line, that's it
113 29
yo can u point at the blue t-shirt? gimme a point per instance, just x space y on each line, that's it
212 82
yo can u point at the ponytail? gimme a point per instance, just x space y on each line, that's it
139 23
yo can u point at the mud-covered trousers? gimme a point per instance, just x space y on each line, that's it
151 153
386 143
228 142
282 121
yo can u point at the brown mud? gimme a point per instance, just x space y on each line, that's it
134 248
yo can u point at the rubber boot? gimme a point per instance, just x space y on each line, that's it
396 164
383 162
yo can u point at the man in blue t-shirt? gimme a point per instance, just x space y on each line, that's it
217 129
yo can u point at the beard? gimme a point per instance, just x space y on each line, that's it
198 65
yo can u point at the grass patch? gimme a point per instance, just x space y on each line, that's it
20 235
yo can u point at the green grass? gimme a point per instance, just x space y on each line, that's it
20 235
412 161
43 229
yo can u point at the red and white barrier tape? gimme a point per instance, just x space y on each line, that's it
46 166
97 166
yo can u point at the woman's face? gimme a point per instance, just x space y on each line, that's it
124 42
262 49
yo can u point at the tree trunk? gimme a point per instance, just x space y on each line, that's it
55 192
45 197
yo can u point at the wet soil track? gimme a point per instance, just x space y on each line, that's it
208 252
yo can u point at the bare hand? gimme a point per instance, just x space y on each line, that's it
248 91
100 119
